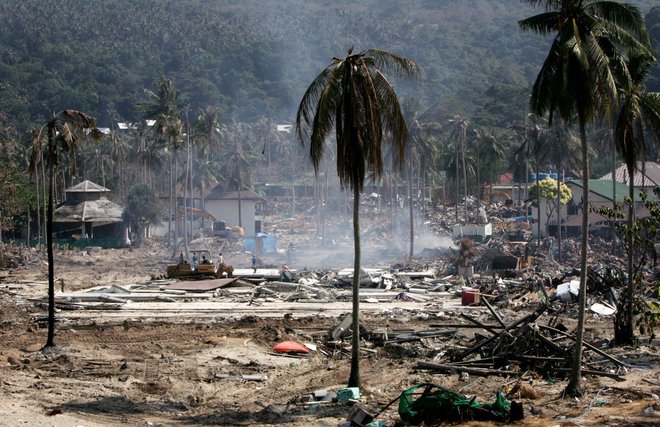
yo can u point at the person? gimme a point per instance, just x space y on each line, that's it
204 260
254 263
220 259
195 260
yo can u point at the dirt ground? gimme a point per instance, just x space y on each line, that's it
153 371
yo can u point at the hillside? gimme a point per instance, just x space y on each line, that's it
253 58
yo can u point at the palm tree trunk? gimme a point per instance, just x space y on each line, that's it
538 205
354 379
613 167
410 205
169 219
558 216
38 192
457 180
465 183
628 332
45 187
50 341
175 203
574 387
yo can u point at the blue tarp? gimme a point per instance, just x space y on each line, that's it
268 243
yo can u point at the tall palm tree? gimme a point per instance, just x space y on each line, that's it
491 148
207 132
458 135
166 109
637 109
536 143
353 95
564 150
576 80
420 151
64 137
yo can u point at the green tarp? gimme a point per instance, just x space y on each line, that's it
437 404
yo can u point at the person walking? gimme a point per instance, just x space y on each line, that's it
254 263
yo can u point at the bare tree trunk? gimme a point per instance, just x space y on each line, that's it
574 385
457 180
50 341
613 168
465 184
175 246
558 215
354 379
169 219
412 220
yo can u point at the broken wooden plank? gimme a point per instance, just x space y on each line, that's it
472 371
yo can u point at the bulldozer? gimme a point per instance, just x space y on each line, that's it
202 267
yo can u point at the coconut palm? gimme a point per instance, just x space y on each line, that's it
491 151
576 81
353 95
564 150
637 109
536 143
420 152
64 137
207 132
166 109
458 127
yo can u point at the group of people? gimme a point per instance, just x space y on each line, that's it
195 260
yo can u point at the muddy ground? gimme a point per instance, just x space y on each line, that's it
150 371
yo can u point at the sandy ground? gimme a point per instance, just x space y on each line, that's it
180 369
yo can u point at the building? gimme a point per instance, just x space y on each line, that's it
649 179
89 218
601 194
236 208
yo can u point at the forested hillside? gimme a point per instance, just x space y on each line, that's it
238 67
253 58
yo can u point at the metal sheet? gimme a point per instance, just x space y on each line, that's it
201 285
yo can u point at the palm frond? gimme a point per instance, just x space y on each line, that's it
390 62
650 105
543 23
624 23
392 116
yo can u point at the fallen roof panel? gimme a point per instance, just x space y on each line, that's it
201 285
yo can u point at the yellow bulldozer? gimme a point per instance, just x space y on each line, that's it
201 268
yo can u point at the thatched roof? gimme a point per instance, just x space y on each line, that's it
102 210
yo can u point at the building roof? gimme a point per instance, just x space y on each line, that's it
218 193
651 177
604 188
102 210
86 187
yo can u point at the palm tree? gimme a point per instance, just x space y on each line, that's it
535 143
638 108
63 139
564 150
207 131
166 109
354 96
491 149
576 81
459 126
420 151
